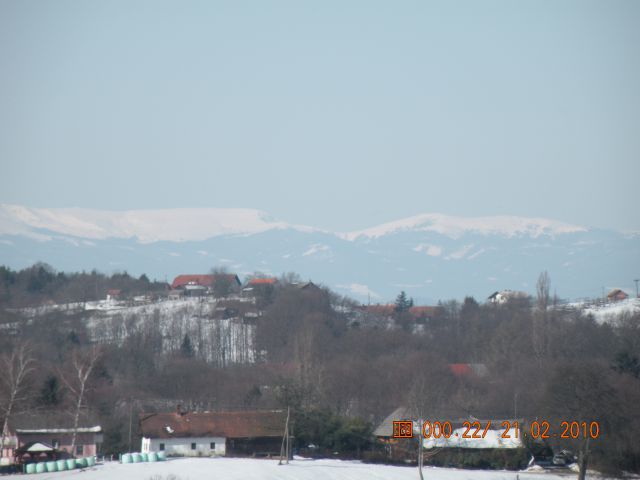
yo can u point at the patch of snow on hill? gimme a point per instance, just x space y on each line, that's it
459 254
455 227
316 248
612 311
431 250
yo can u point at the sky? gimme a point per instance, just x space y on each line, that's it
340 115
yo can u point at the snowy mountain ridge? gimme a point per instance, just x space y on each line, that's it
193 224
148 226
430 256
455 227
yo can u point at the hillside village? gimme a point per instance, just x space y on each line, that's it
209 365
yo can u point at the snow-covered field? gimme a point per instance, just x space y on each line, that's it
252 469
614 310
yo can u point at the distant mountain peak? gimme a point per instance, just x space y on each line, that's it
455 227
176 224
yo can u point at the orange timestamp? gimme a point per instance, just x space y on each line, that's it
507 429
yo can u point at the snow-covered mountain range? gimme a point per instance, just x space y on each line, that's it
430 256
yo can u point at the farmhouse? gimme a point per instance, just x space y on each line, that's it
616 295
505 296
241 433
418 313
200 284
492 438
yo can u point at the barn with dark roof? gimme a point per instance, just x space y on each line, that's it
240 433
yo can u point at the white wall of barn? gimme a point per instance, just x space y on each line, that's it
182 446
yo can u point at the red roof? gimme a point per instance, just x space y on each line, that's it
460 369
248 424
202 280
262 281
467 369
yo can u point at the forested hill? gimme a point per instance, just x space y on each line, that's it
339 365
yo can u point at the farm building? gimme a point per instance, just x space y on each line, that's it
616 295
194 285
26 431
240 433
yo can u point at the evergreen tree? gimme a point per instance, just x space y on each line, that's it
186 349
50 394
403 303
627 363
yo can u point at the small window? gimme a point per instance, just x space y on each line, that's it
162 447
79 449
212 445
193 446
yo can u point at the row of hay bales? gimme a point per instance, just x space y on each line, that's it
60 465
142 457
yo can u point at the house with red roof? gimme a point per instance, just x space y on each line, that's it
262 281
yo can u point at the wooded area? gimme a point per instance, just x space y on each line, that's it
340 367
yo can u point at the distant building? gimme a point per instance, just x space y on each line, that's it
254 282
56 439
616 295
194 285
307 286
505 296
88 439
175 294
464 370
493 440
113 294
260 286
417 312
252 433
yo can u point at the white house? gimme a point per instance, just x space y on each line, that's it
193 434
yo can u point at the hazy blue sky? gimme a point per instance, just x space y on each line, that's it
336 114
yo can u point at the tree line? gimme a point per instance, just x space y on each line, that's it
341 369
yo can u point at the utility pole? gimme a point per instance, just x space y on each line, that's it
130 420
420 458
284 448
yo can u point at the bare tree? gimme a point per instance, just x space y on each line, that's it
542 289
222 282
15 367
77 382
540 317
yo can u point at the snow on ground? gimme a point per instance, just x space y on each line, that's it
253 469
611 311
